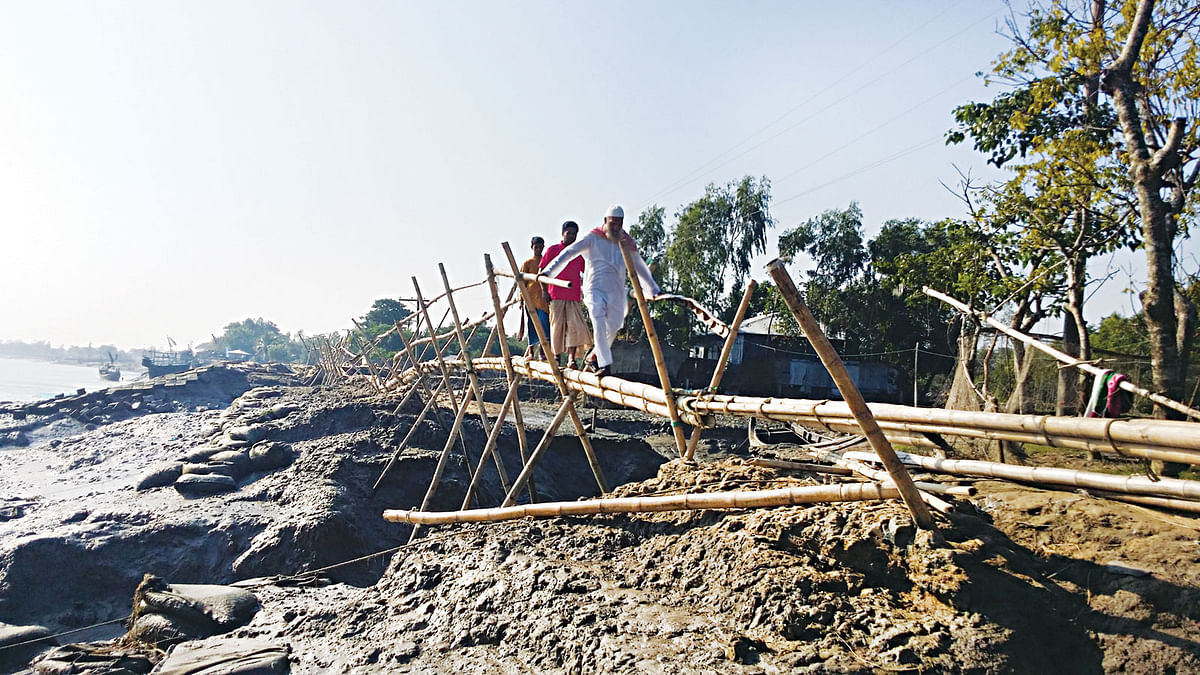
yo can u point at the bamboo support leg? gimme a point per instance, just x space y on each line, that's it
659 362
437 353
490 446
851 395
509 373
472 376
365 357
404 443
441 465
723 361
527 472
568 399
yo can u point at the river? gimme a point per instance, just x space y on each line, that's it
29 380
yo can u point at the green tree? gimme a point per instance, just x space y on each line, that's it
707 254
1100 97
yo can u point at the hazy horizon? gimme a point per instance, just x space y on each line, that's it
171 167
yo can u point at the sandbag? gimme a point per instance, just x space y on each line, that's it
227 657
239 458
268 455
161 475
13 657
204 484
93 657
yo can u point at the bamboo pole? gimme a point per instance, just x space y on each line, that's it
800 466
1114 432
432 332
723 361
1065 358
472 377
629 394
660 363
808 494
636 395
509 373
421 383
490 446
412 429
558 378
1141 485
1185 505
540 278
564 409
367 344
441 464
858 406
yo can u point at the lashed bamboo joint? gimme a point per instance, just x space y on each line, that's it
431 369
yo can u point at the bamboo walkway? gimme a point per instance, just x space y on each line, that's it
429 366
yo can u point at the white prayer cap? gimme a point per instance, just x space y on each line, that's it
615 211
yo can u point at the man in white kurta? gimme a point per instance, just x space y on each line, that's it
604 279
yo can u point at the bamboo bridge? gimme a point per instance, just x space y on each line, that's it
424 370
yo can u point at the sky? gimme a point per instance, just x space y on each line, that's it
168 167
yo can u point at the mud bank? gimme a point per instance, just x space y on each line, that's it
829 588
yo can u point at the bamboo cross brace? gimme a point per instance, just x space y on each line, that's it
851 395
441 464
723 361
807 494
411 431
568 404
558 377
509 373
437 354
472 376
490 446
421 383
656 349
367 344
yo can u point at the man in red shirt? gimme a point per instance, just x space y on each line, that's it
569 332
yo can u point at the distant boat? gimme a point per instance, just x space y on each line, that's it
110 371
165 363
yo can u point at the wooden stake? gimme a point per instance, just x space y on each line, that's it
808 494
723 361
656 349
851 395
568 400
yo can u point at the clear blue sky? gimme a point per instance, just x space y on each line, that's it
170 167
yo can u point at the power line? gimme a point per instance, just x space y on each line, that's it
704 167
852 92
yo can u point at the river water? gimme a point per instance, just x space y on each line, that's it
28 380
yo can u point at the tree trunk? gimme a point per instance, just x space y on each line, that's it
1146 168
1076 341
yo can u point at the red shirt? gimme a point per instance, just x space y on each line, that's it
573 273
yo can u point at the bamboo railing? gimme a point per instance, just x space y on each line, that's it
424 371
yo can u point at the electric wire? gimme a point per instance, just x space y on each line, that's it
829 105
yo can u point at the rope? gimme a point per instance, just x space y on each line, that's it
65 632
